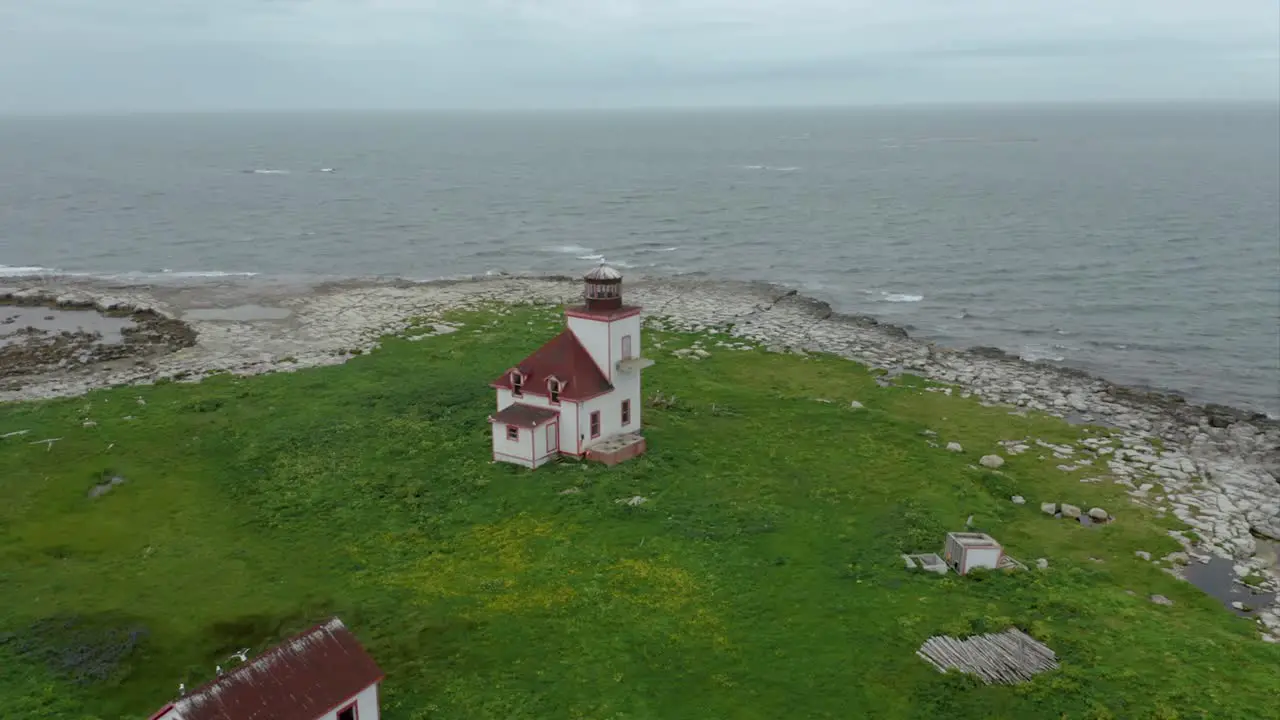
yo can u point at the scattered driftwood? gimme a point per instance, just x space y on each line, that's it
48 443
1006 658
15 433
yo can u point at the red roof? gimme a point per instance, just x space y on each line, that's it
303 679
563 358
525 416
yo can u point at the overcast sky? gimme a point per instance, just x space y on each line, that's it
128 55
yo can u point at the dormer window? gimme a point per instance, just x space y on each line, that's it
553 390
517 383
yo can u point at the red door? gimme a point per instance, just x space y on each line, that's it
553 438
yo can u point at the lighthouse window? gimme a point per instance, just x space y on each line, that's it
517 384
553 386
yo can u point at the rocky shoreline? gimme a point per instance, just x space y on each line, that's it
1215 468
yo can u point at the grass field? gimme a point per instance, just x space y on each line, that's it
762 578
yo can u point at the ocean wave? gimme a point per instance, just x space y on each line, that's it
570 249
900 297
34 270
1032 353
267 171
203 273
591 257
22 270
673 248
772 168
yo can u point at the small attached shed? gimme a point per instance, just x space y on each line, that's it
965 551
526 434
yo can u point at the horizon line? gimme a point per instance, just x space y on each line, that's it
514 110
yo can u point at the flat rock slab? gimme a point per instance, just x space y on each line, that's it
239 313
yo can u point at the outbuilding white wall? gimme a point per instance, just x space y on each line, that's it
518 451
366 706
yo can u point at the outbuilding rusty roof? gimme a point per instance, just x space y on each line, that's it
305 678
564 359
525 416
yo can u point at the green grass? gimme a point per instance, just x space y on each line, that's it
761 580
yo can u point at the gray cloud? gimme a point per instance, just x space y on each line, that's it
87 55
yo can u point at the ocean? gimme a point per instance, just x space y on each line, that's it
1139 242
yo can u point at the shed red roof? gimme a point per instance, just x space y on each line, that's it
302 679
563 358
525 416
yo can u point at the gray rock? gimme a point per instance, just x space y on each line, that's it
954 447
1269 530
1070 511
1019 500
1143 554
1161 600
991 461
1042 563
1178 558
1098 515
1049 508
855 405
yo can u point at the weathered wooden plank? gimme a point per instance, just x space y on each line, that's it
1009 657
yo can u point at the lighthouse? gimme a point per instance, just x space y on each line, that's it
579 394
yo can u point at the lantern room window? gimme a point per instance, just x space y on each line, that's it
553 389
601 291
517 384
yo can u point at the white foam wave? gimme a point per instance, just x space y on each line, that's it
33 270
657 250
570 249
269 171
205 273
773 168
1032 353
21 270
590 257
900 297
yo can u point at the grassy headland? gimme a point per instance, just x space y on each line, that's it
761 579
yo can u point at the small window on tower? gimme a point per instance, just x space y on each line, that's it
517 384
553 386
626 412
595 424
513 433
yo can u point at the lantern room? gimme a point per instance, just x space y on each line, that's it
602 288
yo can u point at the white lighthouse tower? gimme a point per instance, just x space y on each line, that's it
579 394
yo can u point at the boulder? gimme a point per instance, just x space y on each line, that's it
991 461
1070 511
1143 554
855 405
1042 563
1098 515
1019 500
1049 508
1271 530
954 447
1161 600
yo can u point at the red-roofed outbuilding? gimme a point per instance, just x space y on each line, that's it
321 674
